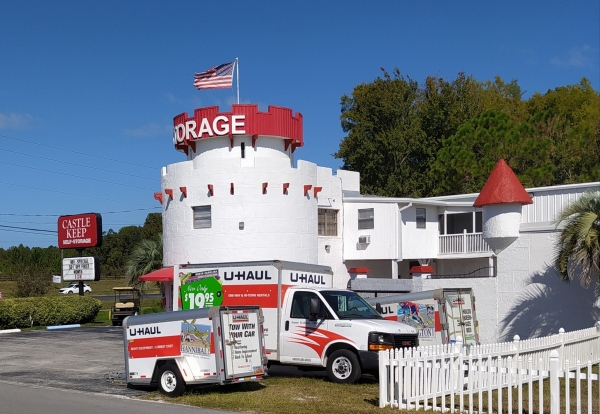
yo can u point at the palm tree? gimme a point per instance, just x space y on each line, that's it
146 257
578 245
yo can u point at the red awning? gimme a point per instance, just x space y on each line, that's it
162 275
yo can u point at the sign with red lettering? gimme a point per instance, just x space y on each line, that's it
80 231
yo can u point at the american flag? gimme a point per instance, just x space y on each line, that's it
218 77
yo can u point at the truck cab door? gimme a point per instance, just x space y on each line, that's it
302 343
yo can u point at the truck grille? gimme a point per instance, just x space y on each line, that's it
406 341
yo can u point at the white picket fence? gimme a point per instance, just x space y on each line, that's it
454 378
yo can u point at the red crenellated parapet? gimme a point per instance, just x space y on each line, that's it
243 119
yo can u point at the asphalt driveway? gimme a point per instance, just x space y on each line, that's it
78 359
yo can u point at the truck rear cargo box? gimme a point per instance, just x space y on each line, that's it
216 345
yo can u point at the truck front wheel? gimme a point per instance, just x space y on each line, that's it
343 367
170 382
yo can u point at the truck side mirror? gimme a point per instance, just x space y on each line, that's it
378 307
315 304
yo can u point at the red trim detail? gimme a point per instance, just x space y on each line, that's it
254 138
316 190
158 196
169 191
210 190
502 186
358 270
264 188
231 190
306 188
438 325
231 140
421 269
285 187
184 191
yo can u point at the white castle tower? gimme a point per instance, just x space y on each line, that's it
502 198
238 197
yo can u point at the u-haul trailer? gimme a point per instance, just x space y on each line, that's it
308 323
215 345
439 315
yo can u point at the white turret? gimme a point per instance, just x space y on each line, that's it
502 198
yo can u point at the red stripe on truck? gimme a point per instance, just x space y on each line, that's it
160 346
260 294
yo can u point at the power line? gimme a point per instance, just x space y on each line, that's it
77 176
75 164
58 215
27 228
67 193
76 152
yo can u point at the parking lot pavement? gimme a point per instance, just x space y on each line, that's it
78 359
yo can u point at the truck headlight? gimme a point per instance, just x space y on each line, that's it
380 341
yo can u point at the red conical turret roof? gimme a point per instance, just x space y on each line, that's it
502 186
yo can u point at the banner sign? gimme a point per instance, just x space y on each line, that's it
80 231
81 268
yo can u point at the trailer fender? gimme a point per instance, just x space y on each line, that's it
182 364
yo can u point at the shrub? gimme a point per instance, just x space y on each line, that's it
45 311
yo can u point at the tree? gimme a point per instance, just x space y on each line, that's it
467 158
146 257
385 142
578 245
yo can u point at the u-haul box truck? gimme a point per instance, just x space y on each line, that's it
439 315
308 323
215 345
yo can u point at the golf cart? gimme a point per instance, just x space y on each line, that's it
127 303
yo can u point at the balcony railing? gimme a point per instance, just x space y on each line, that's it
463 243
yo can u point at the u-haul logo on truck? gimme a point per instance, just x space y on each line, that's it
243 317
307 278
148 330
249 275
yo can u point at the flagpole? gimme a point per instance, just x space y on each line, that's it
238 79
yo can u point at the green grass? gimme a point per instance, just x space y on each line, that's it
288 395
101 287
315 393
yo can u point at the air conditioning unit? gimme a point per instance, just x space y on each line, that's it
364 239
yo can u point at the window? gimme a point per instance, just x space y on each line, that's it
366 218
202 217
327 222
421 218
457 223
301 306
243 148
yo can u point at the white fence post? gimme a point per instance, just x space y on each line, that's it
554 383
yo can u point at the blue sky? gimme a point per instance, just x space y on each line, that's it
88 90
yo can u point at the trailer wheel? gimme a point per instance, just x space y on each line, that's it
343 367
170 382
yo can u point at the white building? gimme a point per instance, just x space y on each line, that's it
240 196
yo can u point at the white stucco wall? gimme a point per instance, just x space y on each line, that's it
419 243
276 225
383 237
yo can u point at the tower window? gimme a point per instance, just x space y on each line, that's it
243 147
202 217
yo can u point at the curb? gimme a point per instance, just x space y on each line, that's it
9 331
76 325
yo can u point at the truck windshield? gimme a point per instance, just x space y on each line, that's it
349 305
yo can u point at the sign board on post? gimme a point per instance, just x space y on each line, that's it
56 279
81 268
80 231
